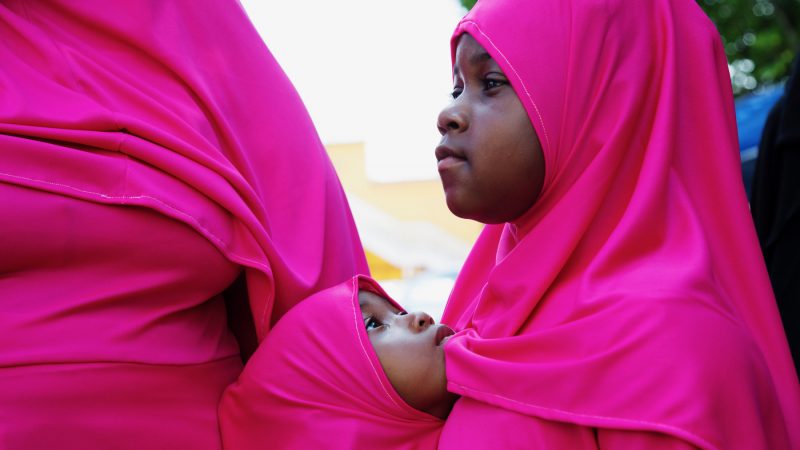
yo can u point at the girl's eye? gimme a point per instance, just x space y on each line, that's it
490 83
370 323
456 92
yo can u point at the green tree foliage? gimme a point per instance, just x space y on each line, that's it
760 36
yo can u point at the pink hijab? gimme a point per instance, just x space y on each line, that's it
180 108
633 294
316 382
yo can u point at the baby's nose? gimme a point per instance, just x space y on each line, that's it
420 320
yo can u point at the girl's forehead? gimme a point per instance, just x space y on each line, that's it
470 52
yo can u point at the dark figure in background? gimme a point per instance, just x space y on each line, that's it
775 204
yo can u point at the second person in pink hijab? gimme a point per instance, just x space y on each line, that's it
617 297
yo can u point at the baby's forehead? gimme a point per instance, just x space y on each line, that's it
368 300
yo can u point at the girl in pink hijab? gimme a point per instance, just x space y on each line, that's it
346 369
616 297
151 153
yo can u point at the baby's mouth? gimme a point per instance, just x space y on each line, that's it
442 333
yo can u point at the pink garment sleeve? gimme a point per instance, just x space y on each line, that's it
474 425
634 439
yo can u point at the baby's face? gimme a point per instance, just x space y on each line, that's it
410 349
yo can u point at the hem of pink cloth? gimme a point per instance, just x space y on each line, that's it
18 365
143 201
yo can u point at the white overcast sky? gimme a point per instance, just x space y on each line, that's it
371 71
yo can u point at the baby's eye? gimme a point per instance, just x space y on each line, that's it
456 92
370 323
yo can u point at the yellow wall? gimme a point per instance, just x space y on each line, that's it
380 269
413 200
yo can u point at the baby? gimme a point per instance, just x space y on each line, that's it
345 368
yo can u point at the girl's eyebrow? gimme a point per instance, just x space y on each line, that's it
476 59
480 58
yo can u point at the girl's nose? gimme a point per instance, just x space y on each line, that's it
452 118
419 321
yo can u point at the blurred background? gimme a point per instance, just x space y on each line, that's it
374 76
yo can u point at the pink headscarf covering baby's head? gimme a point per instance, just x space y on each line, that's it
316 382
632 294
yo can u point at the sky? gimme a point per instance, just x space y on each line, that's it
369 71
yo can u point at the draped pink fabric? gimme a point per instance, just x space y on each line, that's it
178 107
150 152
316 382
102 361
632 295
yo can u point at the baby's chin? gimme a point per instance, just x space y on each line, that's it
445 405
445 399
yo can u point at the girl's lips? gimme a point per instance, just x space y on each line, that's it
448 157
449 162
442 333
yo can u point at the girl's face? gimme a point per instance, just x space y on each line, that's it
490 159
410 349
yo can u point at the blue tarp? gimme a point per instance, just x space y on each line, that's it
751 114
